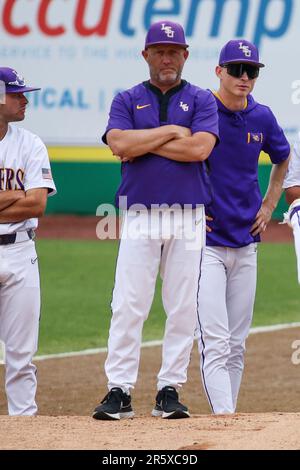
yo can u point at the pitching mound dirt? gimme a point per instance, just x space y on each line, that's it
256 431
70 388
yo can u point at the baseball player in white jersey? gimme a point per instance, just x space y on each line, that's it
25 182
292 193
228 278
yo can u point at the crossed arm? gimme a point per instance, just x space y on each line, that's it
170 141
19 205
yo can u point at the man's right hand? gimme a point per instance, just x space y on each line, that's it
181 132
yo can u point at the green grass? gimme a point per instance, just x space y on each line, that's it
278 291
77 280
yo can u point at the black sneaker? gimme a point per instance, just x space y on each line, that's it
115 405
168 406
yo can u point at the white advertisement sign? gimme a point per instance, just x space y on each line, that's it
82 52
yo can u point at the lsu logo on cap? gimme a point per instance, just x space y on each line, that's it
245 50
255 137
168 30
19 81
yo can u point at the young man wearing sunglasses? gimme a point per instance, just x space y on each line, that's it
228 278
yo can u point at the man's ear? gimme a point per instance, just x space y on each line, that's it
219 71
145 54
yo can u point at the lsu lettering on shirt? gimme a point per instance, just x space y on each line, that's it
24 165
234 171
151 179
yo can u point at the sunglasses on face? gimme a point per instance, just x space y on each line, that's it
238 70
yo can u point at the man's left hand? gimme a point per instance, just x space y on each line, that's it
262 219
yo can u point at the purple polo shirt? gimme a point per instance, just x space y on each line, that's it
234 171
151 179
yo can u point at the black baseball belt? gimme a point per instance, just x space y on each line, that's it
10 238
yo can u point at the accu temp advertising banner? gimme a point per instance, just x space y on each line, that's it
82 52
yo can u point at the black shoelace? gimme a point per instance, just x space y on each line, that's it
114 395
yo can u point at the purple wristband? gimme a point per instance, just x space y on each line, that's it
296 209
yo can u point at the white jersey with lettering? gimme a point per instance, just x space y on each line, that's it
24 165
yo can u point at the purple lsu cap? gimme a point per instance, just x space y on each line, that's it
166 32
14 83
240 50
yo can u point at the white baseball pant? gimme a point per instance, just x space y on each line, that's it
293 219
150 248
19 323
226 301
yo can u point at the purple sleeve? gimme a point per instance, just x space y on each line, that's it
120 116
206 117
276 144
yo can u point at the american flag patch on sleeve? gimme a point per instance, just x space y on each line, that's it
46 173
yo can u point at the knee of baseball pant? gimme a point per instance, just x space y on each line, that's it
18 360
129 325
22 374
236 356
131 309
214 350
237 347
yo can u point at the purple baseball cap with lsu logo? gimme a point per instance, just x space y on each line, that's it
166 32
13 82
240 50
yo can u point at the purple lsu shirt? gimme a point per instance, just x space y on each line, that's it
151 179
234 171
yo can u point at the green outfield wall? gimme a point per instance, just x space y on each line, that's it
83 186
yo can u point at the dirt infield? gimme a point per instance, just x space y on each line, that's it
70 388
84 228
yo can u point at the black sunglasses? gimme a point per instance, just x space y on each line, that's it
238 70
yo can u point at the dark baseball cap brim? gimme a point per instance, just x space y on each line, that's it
171 43
243 61
19 89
